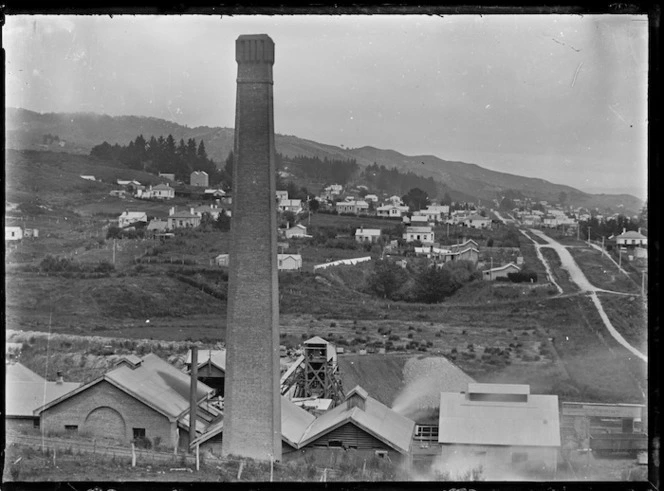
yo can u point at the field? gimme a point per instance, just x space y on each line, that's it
629 316
601 271
530 259
561 275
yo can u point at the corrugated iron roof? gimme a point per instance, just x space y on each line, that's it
159 384
24 397
17 372
376 419
531 423
154 382
294 421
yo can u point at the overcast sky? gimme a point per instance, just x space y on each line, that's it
559 97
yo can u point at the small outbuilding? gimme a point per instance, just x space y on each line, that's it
500 271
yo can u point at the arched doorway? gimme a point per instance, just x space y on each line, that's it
105 423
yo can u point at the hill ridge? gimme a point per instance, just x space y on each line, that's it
26 128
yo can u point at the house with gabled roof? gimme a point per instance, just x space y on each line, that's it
129 218
500 271
139 398
296 231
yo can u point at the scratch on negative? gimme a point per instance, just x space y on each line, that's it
576 73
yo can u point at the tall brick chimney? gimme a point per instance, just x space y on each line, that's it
252 404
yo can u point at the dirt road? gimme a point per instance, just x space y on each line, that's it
580 279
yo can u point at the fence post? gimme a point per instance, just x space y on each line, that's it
133 455
271 468
239 471
54 456
197 458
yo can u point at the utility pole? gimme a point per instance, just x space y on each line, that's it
578 229
588 235
114 240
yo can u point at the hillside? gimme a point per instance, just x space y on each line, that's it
79 132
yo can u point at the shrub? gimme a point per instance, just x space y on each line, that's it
524 276
410 335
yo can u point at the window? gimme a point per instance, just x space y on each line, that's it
335 443
427 433
71 428
381 453
139 433
35 423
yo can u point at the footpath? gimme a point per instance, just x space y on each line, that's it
580 279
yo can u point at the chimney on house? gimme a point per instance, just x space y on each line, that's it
624 230
59 379
639 229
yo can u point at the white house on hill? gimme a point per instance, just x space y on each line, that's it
367 234
423 234
128 218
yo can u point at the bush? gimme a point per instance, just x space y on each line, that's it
525 276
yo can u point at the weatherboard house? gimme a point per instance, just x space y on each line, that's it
632 239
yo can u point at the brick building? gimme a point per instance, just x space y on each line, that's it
140 398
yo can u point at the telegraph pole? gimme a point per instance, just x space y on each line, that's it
588 235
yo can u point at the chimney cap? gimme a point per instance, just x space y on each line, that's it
254 48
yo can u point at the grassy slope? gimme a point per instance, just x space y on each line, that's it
602 272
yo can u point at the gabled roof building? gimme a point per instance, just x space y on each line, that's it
140 398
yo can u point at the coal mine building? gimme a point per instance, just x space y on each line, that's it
139 399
